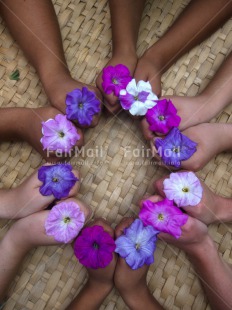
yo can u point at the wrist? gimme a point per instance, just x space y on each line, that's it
99 289
201 250
137 298
124 52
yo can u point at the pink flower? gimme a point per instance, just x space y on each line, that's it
65 221
59 134
163 216
115 79
163 117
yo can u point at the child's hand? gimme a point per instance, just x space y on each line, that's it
130 283
207 211
111 102
26 199
100 281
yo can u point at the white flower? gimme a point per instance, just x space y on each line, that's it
184 188
138 98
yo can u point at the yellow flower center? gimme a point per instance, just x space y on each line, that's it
61 134
161 118
55 179
176 149
67 220
80 105
115 81
185 189
161 217
137 246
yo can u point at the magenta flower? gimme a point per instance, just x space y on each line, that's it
184 188
57 180
137 245
175 147
65 221
59 134
163 216
94 247
82 105
163 117
115 79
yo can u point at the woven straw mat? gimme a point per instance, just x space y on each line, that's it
50 277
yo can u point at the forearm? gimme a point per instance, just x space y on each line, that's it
196 23
10 258
34 26
141 299
91 297
125 20
214 273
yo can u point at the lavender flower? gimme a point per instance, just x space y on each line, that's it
94 247
163 216
82 105
57 180
115 79
184 188
137 98
65 221
137 245
175 147
59 134
163 117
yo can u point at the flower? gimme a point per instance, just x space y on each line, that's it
163 216
59 134
137 98
64 221
137 245
184 188
115 79
57 180
82 105
94 247
163 117
175 147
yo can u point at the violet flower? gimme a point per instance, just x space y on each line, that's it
57 180
115 79
137 245
65 221
163 216
184 188
59 134
82 105
94 247
175 147
163 117
137 98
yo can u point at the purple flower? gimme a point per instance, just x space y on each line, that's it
137 98
175 147
137 245
65 221
94 247
163 117
115 79
59 134
163 216
82 105
184 188
57 180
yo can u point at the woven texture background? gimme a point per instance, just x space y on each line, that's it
50 277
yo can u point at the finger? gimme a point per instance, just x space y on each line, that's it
140 74
147 133
112 109
159 186
125 223
154 198
105 224
166 237
155 81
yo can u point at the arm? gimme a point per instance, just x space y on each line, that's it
214 273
